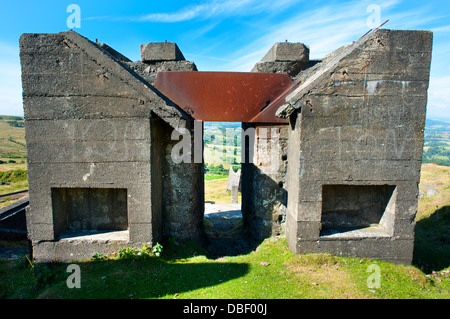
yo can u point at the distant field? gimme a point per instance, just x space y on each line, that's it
13 150
436 147
216 193
432 232
222 144
13 155
433 177
216 153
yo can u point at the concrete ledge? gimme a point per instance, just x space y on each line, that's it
82 247
100 236
368 232
389 249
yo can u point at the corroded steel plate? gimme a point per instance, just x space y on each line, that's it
226 96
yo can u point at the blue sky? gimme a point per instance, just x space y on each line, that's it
224 35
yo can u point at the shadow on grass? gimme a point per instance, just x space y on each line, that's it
432 241
139 277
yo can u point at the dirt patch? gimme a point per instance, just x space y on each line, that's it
325 274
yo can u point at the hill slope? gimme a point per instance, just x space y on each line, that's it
12 143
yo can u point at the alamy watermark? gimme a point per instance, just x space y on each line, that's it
74 279
374 279
74 19
261 145
374 19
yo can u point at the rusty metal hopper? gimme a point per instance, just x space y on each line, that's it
226 96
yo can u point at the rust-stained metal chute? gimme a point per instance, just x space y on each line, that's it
226 96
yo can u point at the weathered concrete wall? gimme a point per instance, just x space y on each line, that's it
358 121
183 195
88 127
264 196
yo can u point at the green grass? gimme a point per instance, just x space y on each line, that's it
12 143
215 191
184 272
213 177
432 232
220 155
17 181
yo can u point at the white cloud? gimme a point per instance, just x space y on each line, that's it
10 50
439 98
11 101
218 9
441 29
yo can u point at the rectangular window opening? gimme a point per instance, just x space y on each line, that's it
357 210
89 211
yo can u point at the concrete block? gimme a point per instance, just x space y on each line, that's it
41 232
141 232
290 67
308 231
40 203
287 51
396 251
161 51
404 228
309 211
100 174
86 107
42 43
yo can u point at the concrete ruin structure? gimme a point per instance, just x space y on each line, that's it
344 136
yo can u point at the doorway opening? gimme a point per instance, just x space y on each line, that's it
223 222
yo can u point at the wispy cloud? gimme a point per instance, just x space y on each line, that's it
439 97
9 50
442 29
192 55
217 8
323 29
11 101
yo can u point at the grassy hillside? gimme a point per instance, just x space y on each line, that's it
13 151
222 144
432 233
216 193
437 142
222 149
